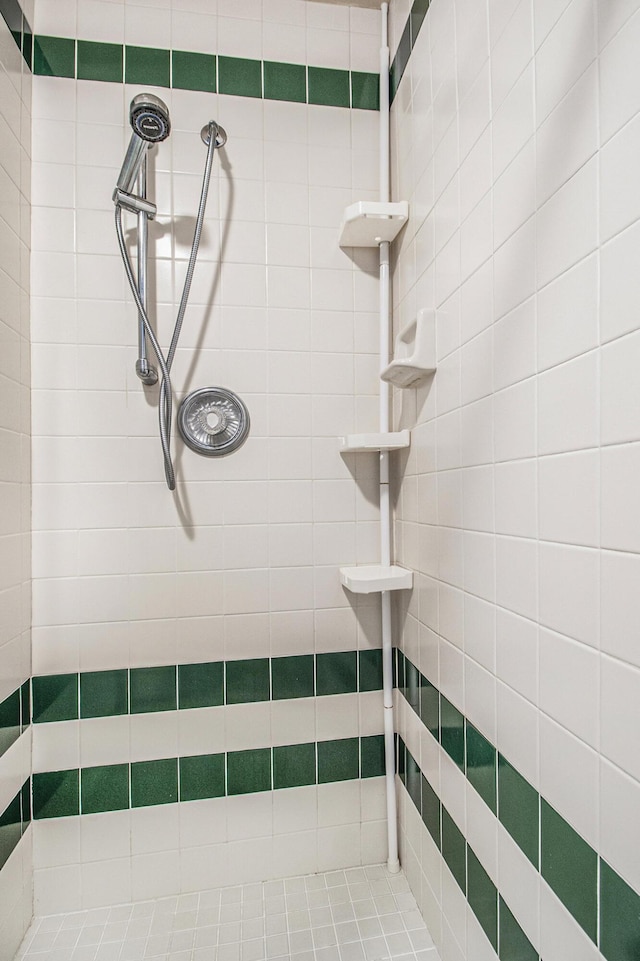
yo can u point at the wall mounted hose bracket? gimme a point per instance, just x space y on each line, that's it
213 421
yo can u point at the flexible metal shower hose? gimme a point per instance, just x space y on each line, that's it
166 400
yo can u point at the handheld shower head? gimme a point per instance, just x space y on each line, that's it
149 118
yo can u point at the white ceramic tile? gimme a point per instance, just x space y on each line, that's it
518 733
618 796
618 96
565 54
618 402
575 708
620 520
569 779
560 936
567 406
517 653
519 877
567 225
619 714
569 492
567 315
516 575
511 53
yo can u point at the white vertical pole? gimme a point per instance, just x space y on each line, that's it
393 863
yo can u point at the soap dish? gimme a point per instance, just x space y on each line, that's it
414 352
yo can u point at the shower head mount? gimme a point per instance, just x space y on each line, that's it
218 132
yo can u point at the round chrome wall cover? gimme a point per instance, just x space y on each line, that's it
213 421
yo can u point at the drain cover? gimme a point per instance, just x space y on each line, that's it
213 421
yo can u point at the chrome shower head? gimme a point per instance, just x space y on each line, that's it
149 117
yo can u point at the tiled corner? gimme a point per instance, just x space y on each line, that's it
56 794
10 829
365 91
54 57
10 720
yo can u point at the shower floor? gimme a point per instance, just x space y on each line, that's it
360 914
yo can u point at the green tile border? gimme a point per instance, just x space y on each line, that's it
186 70
406 44
14 821
18 24
465 866
581 880
115 787
15 715
144 690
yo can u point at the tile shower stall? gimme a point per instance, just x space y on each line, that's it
191 707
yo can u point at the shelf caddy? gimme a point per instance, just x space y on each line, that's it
357 443
369 223
371 578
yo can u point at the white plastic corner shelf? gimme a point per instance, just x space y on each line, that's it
368 579
369 223
358 443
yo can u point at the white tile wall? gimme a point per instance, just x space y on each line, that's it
16 877
535 389
243 561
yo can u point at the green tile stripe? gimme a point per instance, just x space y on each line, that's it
15 715
569 865
185 70
117 787
488 905
14 821
144 690
18 24
406 43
